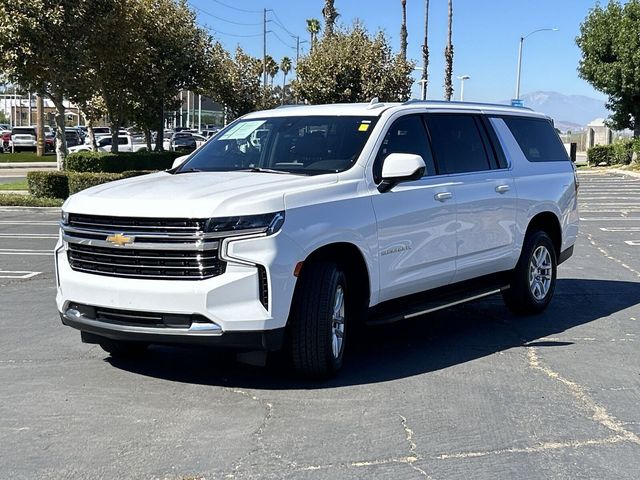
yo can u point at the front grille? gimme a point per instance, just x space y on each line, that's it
129 224
159 264
163 249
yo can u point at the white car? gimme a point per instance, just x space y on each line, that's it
126 143
294 224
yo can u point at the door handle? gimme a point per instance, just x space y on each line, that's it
502 188
443 196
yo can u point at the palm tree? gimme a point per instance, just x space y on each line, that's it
271 68
448 57
403 31
313 27
330 14
425 51
285 66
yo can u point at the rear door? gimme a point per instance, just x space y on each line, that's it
467 153
416 220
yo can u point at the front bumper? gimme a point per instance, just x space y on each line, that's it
230 303
208 334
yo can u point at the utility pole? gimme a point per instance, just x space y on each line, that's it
199 111
39 124
264 49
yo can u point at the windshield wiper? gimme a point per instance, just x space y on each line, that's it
190 170
264 170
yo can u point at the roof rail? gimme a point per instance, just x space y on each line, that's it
414 101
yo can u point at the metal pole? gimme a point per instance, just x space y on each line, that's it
519 69
188 110
462 90
181 102
29 114
199 112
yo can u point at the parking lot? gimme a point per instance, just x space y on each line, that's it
470 392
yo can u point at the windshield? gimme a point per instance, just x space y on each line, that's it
306 145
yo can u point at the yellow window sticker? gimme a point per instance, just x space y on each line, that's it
363 127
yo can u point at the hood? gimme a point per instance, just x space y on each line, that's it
193 195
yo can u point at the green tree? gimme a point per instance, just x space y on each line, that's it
285 66
313 27
610 61
330 15
353 66
238 86
177 57
42 45
403 30
448 57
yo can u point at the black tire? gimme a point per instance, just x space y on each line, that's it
311 321
522 297
122 349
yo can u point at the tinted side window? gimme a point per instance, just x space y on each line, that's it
406 135
537 139
122 141
457 144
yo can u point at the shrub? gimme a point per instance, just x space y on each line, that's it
100 162
48 184
18 200
82 180
622 152
136 173
600 154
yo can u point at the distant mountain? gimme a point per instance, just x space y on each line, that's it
567 110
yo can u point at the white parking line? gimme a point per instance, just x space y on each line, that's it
18 274
633 243
620 229
11 222
28 235
22 251
607 219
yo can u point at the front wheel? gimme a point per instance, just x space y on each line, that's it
534 278
318 321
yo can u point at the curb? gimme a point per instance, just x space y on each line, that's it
29 165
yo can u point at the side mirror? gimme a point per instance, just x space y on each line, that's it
400 167
179 161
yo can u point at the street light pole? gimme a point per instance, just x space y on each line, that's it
522 38
462 78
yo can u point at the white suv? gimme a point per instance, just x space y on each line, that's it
293 224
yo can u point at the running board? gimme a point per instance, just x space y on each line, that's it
429 302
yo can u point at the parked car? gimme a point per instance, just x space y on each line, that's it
126 143
340 214
23 138
98 132
184 141
73 137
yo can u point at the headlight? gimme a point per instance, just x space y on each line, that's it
268 223
64 217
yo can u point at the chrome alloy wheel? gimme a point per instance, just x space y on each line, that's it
337 322
540 271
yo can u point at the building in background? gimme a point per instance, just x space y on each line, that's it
196 112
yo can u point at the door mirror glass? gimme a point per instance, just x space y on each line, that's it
401 167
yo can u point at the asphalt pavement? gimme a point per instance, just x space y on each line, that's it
468 393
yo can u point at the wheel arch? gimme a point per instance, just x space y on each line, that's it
351 261
549 223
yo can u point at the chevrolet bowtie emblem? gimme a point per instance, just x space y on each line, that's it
119 239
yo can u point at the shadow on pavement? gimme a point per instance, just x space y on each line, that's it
408 348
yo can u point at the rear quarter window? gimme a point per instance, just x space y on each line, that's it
537 139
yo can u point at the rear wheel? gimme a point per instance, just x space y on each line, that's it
534 277
318 321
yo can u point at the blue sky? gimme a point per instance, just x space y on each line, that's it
485 36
